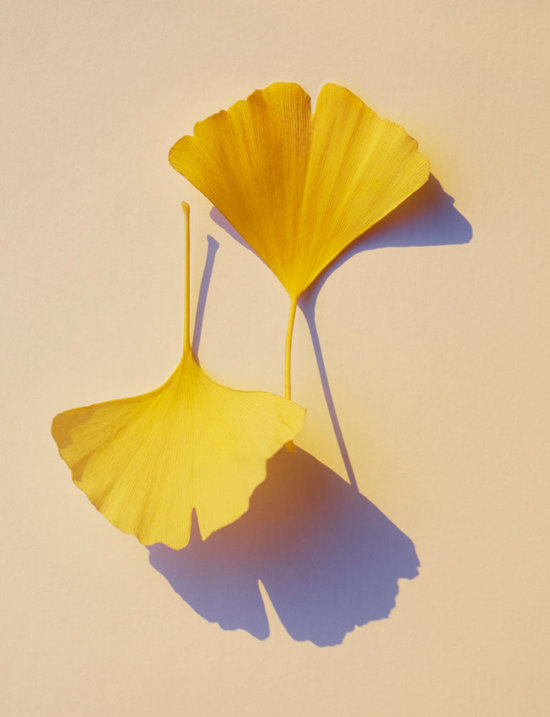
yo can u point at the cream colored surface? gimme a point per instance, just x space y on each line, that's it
437 356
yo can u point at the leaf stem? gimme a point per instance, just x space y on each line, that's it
288 351
186 319
288 344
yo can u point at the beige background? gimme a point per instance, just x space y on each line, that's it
437 356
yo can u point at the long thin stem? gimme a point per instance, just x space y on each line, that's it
288 344
187 311
288 351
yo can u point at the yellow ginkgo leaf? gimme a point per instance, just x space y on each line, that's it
146 462
300 186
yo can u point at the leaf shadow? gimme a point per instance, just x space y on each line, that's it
327 557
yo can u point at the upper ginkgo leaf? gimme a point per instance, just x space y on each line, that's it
300 186
147 462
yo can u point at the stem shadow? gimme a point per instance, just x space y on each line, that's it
213 247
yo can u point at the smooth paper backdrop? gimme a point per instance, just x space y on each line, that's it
436 355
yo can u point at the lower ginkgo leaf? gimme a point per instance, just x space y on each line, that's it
146 462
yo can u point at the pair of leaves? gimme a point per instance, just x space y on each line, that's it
299 187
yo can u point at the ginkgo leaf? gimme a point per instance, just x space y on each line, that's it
146 462
300 186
